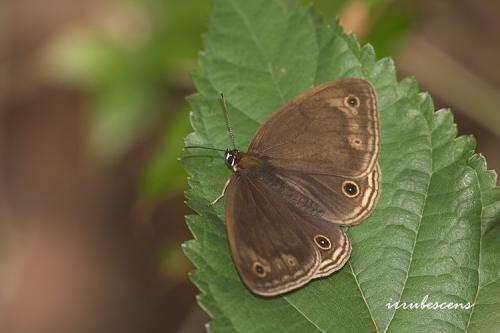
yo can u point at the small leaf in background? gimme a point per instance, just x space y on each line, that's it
436 227
164 174
391 23
174 264
382 23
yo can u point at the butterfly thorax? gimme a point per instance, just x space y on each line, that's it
244 162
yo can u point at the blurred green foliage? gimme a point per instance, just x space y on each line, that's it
136 63
391 24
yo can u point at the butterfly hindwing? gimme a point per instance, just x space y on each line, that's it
339 200
275 246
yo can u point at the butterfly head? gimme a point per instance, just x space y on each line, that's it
231 158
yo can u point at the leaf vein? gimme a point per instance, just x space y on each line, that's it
304 315
364 298
480 250
416 234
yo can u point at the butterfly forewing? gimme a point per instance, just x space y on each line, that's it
331 129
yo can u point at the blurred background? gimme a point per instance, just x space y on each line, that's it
92 120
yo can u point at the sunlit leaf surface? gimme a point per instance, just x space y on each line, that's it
435 230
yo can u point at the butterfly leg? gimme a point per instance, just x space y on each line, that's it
222 194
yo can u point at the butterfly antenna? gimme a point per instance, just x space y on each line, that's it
226 116
209 148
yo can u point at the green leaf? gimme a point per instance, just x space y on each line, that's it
436 227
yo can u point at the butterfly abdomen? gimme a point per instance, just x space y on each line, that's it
294 194
251 165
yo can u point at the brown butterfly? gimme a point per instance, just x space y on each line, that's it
311 168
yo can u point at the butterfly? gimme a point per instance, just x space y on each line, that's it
310 169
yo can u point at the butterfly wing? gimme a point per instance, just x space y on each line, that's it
275 246
339 200
331 129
